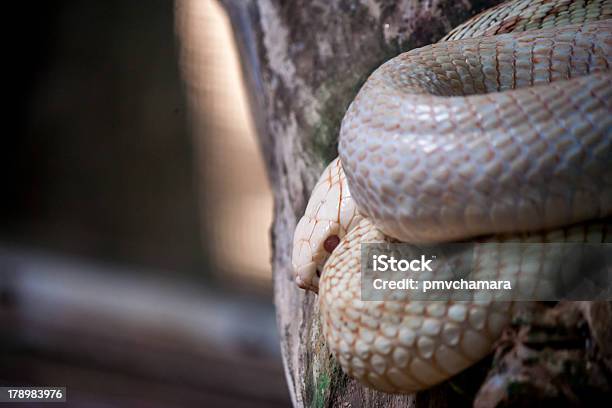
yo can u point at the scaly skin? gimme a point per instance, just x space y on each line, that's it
507 133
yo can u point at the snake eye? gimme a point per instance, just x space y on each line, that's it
331 243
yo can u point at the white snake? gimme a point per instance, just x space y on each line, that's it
504 127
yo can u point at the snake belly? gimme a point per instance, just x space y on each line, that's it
506 135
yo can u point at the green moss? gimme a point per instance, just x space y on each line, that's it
335 97
324 379
320 371
331 380
325 137
321 391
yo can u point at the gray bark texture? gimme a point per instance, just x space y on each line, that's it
304 61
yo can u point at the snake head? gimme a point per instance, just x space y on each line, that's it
330 214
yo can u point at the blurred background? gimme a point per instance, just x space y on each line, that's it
134 224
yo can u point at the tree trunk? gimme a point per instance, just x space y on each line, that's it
304 61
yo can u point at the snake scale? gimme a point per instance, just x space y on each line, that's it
502 131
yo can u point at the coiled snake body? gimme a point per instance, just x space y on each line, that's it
502 131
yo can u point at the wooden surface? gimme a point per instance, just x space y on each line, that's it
304 62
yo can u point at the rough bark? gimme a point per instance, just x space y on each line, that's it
304 61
